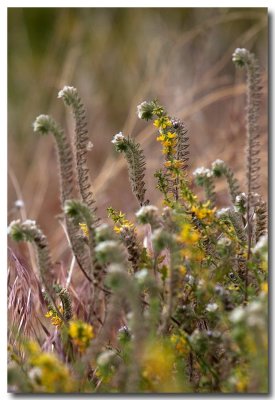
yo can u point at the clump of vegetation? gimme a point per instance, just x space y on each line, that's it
175 301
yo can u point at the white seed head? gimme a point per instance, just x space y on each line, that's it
43 124
144 210
19 203
240 56
217 163
189 279
202 172
224 241
212 307
241 197
29 223
237 315
35 373
140 109
67 90
115 269
106 246
12 224
119 137
105 358
89 146
141 275
223 211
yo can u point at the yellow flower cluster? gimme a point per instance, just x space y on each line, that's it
55 319
158 363
264 287
241 381
84 229
180 344
122 223
188 235
126 224
182 270
203 211
168 141
81 334
48 374
162 122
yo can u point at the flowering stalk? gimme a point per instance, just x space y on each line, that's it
136 164
28 231
128 235
45 125
65 308
122 284
261 219
72 99
243 58
80 214
219 168
65 300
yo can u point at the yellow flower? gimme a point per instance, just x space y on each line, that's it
189 235
193 252
162 122
84 229
203 212
49 314
124 224
32 347
161 138
167 143
53 375
171 135
180 344
264 287
158 363
81 334
242 381
168 164
182 270
165 150
55 319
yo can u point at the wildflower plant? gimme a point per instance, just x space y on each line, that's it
173 300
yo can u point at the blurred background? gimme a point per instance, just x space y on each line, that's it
118 58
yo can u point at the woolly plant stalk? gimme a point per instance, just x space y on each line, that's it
128 236
72 99
43 125
136 165
236 220
122 284
219 169
261 219
163 240
172 292
28 231
243 58
182 147
182 152
65 300
80 213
